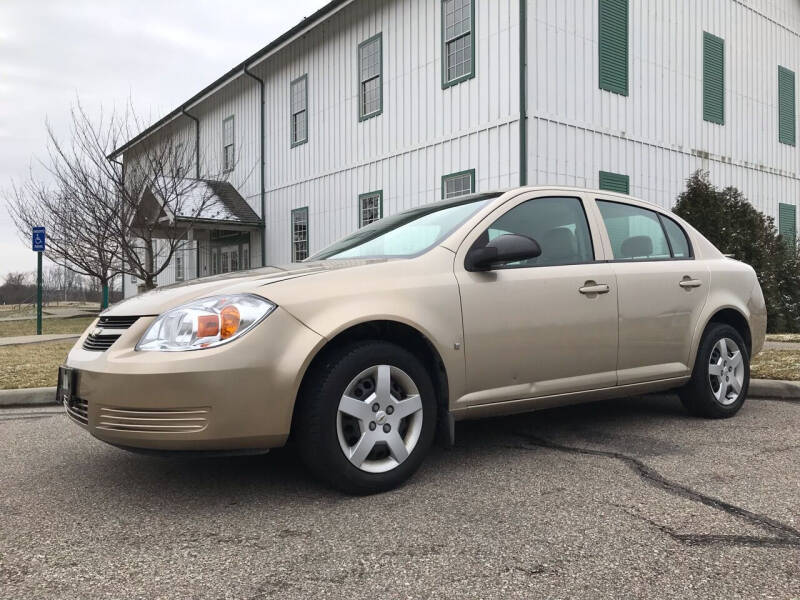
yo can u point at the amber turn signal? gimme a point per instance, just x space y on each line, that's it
230 321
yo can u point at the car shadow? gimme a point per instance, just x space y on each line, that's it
279 474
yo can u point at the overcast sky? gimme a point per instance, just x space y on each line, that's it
158 52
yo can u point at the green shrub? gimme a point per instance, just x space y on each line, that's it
737 228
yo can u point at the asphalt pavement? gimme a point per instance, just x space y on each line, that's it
622 499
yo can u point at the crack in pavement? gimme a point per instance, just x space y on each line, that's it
785 535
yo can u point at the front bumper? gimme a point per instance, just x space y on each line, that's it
236 396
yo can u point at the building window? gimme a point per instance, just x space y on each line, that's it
227 144
614 182
214 261
613 45
713 79
298 92
787 222
458 44
179 267
299 234
246 257
458 184
370 70
786 106
370 208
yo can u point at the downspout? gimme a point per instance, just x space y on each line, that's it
263 190
197 176
122 168
523 92
196 142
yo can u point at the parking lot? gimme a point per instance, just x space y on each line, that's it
628 498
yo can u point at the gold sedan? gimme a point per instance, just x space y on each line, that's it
485 305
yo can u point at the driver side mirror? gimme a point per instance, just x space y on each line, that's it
507 248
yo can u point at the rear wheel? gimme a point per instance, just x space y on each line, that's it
721 374
366 417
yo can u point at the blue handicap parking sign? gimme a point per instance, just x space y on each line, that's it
38 239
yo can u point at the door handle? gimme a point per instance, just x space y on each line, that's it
594 288
690 283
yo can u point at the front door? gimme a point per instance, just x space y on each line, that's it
662 290
544 326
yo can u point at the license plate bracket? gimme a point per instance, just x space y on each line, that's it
67 378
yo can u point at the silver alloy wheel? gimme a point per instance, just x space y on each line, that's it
379 420
726 371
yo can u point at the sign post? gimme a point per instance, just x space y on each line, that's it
38 244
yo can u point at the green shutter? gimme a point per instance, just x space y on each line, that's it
786 108
614 182
613 45
713 79
787 222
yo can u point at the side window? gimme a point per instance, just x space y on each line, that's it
298 98
678 241
559 225
635 233
228 153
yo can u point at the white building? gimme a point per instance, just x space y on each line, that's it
369 107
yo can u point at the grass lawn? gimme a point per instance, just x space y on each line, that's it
776 364
28 326
783 337
32 365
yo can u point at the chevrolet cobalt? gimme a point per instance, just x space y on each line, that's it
488 304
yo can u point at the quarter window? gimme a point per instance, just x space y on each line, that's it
298 93
370 208
559 225
635 233
458 184
370 69
458 52
299 234
227 144
678 242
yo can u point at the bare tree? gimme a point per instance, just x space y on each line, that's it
104 219
158 196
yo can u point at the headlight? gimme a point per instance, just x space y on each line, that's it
205 323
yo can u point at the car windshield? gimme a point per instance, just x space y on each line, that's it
408 233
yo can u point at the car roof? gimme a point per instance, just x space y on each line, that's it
574 190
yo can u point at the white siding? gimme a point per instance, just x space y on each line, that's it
656 135
423 133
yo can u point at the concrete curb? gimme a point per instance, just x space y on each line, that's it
28 397
759 388
775 389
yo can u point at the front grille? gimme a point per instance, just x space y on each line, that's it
176 420
116 322
99 340
99 343
78 409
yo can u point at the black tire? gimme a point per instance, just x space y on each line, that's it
698 395
315 427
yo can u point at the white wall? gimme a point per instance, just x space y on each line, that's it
424 132
657 134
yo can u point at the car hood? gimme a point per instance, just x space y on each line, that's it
162 299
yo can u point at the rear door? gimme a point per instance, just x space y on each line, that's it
661 289
544 326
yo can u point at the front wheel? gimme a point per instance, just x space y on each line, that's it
366 417
721 375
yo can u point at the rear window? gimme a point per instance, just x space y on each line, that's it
639 234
